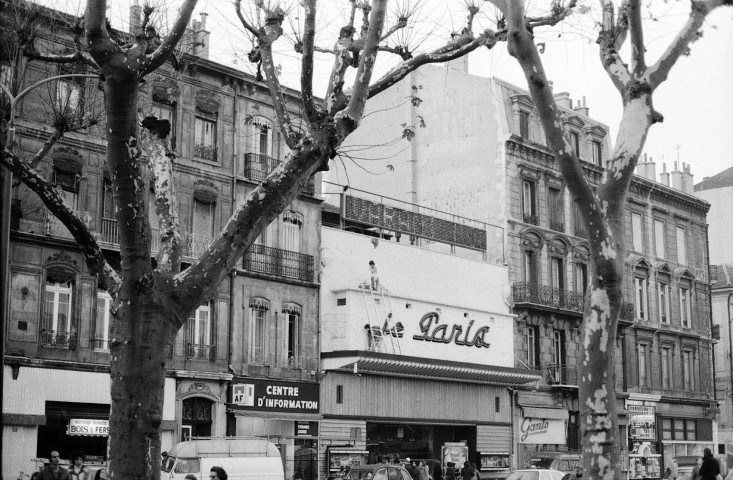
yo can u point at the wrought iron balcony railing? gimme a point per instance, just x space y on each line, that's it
301 362
627 312
54 339
558 374
547 296
109 233
281 263
258 166
197 351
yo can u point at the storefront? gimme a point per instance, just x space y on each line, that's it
645 461
285 412
539 428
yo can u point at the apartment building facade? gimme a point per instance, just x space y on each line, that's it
477 149
258 329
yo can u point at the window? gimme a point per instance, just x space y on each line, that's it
529 211
684 307
558 356
200 344
264 139
530 266
641 298
292 314
557 212
663 301
524 124
686 429
581 278
100 341
202 231
258 308
597 152
557 271
643 365
636 232
57 314
575 143
68 96
533 346
163 109
681 246
205 135
666 364
339 394
659 242
292 223
688 377
579 224
69 183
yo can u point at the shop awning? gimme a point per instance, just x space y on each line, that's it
373 363
550 413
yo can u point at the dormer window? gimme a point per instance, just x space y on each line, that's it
524 124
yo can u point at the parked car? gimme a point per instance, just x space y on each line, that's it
562 461
536 474
379 471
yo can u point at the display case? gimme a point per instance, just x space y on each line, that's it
491 461
343 456
644 466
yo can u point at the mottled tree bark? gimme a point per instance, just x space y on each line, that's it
603 212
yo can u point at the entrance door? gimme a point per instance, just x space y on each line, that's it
196 418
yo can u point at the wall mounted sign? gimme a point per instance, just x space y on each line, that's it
542 430
432 330
88 427
275 396
306 429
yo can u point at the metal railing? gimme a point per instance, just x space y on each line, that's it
627 312
258 166
298 362
548 296
198 351
281 263
53 339
109 233
559 374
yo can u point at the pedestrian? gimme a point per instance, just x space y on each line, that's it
476 475
577 473
408 467
467 471
78 470
423 472
696 470
373 275
450 471
218 473
347 472
54 471
710 467
675 469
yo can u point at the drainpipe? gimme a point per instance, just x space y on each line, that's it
730 341
512 451
710 312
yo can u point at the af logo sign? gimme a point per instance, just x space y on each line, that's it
243 394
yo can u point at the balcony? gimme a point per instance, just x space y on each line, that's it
257 167
558 374
54 339
626 314
195 351
109 233
280 263
547 297
291 362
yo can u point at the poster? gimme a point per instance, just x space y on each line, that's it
456 452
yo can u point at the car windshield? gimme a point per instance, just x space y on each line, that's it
540 462
523 476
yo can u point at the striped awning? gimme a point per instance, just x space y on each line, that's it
373 363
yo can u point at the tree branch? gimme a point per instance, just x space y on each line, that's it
699 9
306 72
161 54
248 26
610 57
633 14
47 145
54 202
156 144
97 36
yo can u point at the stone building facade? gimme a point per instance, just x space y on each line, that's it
261 324
487 160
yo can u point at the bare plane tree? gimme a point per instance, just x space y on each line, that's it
603 211
151 301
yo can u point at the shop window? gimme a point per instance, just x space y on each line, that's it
200 330
597 149
61 431
529 208
533 346
524 124
659 239
681 246
292 314
686 429
258 310
205 135
100 340
637 232
196 415
58 297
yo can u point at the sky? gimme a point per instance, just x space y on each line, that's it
696 100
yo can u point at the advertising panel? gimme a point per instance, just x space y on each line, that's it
542 430
343 457
275 396
88 426
456 452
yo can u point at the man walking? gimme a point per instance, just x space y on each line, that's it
710 467
54 471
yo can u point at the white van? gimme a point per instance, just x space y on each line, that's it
241 458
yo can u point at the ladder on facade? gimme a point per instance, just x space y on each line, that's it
381 321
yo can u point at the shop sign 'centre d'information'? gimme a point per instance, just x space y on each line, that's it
275 396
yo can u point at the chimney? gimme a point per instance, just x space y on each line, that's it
676 177
200 37
687 177
563 100
136 12
584 110
651 170
664 176
641 167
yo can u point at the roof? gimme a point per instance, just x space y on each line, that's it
373 363
722 179
721 276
